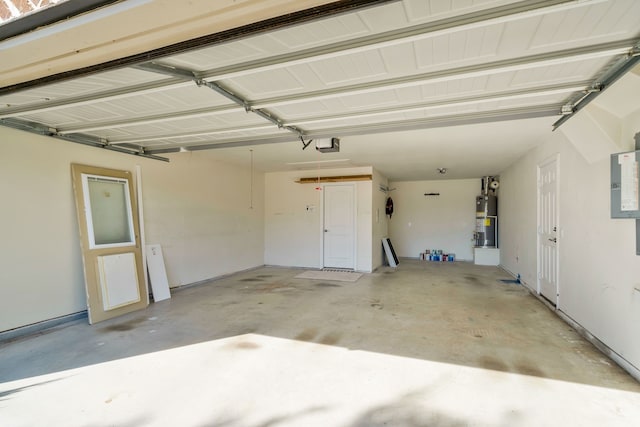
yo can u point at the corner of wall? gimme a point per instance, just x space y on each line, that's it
380 221
598 268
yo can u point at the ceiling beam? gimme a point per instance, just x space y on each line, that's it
226 109
156 118
498 115
187 134
483 18
89 140
221 90
527 62
450 102
460 101
418 32
611 76
103 96
549 110
323 11
449 74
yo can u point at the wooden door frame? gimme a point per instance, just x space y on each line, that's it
90 255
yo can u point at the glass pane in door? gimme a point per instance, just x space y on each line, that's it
110 216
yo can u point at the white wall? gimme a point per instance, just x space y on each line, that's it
364 224
197 209
598 268
444 222
202 214
293 233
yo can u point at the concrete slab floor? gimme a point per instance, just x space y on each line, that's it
426 344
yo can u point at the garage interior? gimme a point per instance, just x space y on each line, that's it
224 115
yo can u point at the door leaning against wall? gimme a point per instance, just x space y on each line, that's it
110 241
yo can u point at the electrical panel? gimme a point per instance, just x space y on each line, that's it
625 186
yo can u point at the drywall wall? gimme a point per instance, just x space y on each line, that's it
293 219
196 208
444 222
364 224
202 213
598 268
379 220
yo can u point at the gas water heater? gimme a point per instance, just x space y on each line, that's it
486 234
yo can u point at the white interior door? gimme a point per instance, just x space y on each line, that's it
548 230
339 226
110 241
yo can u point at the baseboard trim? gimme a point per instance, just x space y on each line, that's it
606 350
34 328
584 333
212 279
37 327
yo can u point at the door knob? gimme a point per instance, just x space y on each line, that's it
554 240
326 231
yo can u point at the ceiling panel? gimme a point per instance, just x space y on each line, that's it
111 80
351 69
398 65
415 112
321 31
572 71
188 97
437 52
429 10
280 81
220 138
274 43
218 56
387 17
127 108
200 124
598 22
617 18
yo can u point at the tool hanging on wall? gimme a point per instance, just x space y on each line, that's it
389 207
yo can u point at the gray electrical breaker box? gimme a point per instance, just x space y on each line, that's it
625 185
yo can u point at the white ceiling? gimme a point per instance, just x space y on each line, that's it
408 86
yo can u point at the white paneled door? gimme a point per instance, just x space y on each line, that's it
339 226
548 230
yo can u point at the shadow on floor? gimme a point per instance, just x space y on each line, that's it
455 313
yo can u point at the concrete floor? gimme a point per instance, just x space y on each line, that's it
426 344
